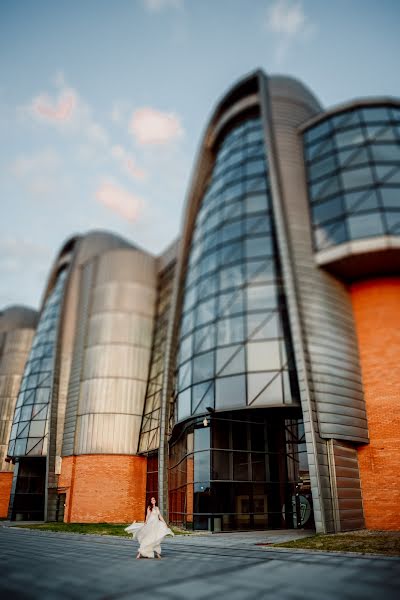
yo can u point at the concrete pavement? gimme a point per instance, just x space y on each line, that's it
44 565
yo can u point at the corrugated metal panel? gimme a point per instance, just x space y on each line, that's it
120 327
324 338
13 362
116 353
323 299
346 486
14 351
18 341
107 434
116 360
86 278
124 296
127 265
9 385
280 131
124 396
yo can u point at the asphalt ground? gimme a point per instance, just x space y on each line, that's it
44 565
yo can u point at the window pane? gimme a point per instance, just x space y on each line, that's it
231 303
376 114
263 326
357 177
365 225
241 466
325 211
386 152
255 204
37 428
230 277
263 356
231 231
359 201
204 338
202 397
349 137
322 167
230 331
318 131
330 235
393 221
185 375
203 367
202 463
230 392
258 246
260 271
257 224
260 297
184 404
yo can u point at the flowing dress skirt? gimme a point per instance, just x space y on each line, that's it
149 535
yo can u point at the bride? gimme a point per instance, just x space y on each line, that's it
151 533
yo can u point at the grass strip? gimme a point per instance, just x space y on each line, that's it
363 542
91 528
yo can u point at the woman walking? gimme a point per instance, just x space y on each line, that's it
151 533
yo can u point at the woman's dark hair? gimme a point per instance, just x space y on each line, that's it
150 506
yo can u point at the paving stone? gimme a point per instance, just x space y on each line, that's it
46 565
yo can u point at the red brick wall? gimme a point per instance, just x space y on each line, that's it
104 488
5 490
376 306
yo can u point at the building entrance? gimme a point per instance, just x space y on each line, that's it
28 490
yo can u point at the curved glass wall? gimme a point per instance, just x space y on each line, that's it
353 171
233 349
244 470
29 430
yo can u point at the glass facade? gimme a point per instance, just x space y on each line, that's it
244 470
30 426
353 172
233 347
150 430
236 469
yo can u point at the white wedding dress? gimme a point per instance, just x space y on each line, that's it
150 534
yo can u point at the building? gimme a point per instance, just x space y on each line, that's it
79 411
17 328
285 331
249 376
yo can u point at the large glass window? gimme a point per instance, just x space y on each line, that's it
232 287
353 167
149 439
240 470
29 431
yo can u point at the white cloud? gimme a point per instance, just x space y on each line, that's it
60 110
66 111
128 163
69 113
151 126
156 6
287 19
119 200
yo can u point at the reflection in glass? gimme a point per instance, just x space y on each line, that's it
26 434
364 142
246 478
232 280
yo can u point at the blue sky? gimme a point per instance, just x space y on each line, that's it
102 105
